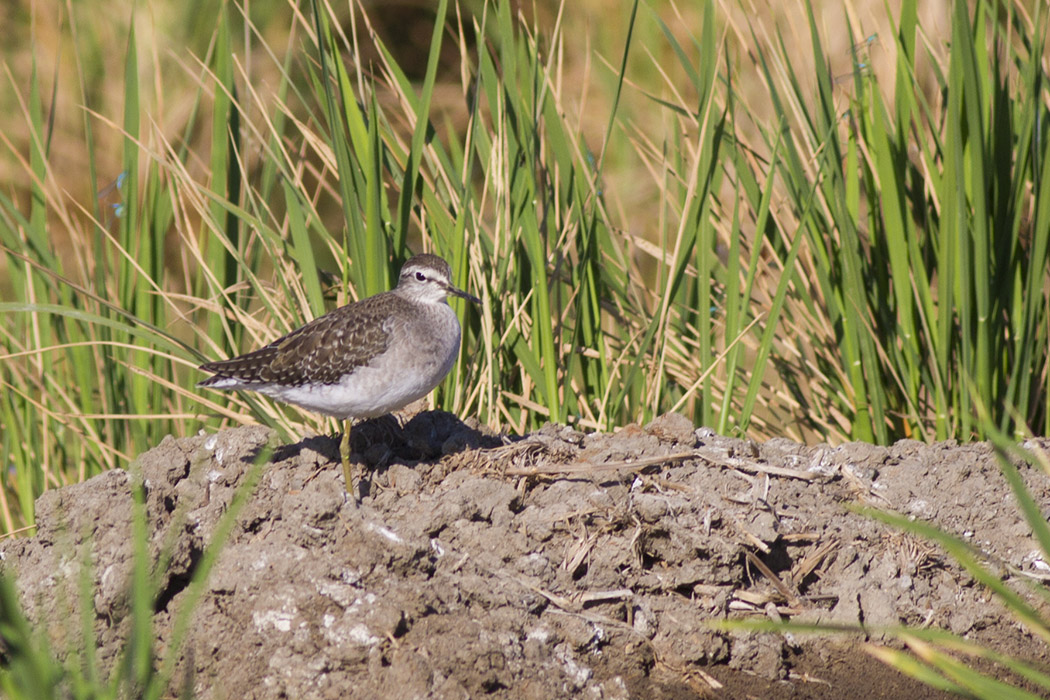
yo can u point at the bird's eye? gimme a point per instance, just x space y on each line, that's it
421 277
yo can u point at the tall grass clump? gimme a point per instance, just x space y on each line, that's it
925 210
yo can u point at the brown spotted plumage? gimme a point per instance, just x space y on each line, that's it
320 352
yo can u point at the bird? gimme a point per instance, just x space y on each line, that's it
363 360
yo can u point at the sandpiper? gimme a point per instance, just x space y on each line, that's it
362 360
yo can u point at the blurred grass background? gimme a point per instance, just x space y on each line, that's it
821 221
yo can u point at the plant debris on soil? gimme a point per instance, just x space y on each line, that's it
559 564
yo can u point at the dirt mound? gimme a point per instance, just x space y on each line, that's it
468 570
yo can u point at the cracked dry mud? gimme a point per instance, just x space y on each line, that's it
468 572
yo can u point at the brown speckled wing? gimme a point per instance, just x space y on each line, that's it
321 352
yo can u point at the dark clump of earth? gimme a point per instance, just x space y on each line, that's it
560 564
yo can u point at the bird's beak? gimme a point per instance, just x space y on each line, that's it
456 291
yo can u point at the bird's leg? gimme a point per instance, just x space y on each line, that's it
344 453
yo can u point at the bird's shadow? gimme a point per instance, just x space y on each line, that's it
378 442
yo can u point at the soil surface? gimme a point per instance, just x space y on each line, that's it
551 566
